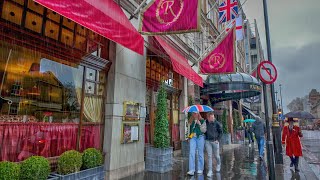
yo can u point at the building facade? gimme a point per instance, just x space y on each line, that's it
66 87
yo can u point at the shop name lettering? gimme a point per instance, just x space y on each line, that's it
255 87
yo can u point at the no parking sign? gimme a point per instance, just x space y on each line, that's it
267 72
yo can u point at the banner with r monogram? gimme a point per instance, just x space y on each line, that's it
221 60
170 17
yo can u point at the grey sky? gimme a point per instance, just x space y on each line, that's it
295 40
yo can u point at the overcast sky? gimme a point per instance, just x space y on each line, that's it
295 43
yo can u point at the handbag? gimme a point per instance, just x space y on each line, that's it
192 134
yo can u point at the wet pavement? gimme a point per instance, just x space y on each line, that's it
311 150
238 162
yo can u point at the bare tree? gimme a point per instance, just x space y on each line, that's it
296 104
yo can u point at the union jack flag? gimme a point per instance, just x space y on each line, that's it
228 10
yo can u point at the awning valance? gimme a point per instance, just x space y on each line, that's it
180 63
104 17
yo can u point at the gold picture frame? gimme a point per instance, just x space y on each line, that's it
129 132
131 111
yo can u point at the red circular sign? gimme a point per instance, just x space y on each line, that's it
267 72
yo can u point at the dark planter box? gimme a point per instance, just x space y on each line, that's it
53 177
226 139
159 159
185 148
96 173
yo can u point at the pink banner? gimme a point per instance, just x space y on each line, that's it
170 16
222 58
104 17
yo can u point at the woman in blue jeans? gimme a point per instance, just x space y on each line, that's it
196 142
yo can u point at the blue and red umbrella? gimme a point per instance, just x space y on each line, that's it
197 108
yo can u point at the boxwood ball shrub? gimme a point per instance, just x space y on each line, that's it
35 168
9 171
69 162
91 158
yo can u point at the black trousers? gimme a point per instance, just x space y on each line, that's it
295 160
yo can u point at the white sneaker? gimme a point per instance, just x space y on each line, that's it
191 173
210 173
249 145
218 168
200 172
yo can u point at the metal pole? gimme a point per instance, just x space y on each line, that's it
276 93
268 142
138 9
276 131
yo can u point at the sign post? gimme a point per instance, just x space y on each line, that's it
267 73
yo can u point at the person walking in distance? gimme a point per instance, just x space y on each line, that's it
259 130
196 142
291 137
249 132
213 135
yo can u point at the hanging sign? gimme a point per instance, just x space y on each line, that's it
267 72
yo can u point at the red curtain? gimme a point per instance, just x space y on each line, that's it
19 141
90 137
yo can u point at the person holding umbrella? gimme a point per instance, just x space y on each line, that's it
196 136
291 137
196 142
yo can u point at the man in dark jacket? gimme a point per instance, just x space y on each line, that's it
213 135
259 130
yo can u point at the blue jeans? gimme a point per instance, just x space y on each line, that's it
212 146
196 143
260 141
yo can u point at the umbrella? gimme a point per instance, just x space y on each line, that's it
249 120
300 115
197 108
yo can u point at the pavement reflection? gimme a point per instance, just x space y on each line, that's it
240 162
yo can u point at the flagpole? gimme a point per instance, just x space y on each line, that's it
206 51
138 9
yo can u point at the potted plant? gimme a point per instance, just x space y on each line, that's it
226 137
159 157
74 165
92 161
68 164
35 168
9 171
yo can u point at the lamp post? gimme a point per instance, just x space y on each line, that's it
281 98
276 130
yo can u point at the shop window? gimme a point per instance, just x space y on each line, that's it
46 94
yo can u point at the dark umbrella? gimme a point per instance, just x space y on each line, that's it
300 115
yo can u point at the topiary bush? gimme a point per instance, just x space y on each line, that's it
69 162
9 171
161 132
91 158
224 122
35 168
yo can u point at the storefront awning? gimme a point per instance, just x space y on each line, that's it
224 87
104 17
180 63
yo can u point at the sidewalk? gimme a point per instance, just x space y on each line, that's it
238 162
